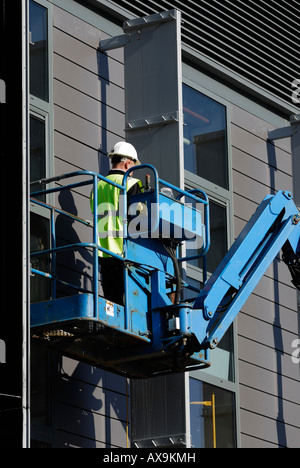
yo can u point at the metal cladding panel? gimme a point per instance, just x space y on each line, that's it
153 83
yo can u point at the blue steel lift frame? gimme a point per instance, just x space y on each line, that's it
87 305
166 336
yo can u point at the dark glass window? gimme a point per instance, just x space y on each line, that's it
39 240
39 68
212 416
205 137
218 238
218 233
37 153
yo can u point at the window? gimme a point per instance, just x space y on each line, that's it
39 62
41 130
205 137
37 152
219 238
206 158
39 217
213 391
212 416
39 240
222 359
207 167
41 115
206 164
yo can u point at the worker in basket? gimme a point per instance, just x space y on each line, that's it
110 218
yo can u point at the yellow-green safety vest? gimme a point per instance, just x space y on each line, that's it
110 221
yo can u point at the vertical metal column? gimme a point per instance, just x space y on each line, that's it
25 224
153 92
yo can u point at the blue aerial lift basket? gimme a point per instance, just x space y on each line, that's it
157 330
138 338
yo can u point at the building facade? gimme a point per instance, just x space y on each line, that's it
234 91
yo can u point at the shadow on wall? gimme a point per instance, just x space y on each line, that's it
277 328
69 267
91 407
103 74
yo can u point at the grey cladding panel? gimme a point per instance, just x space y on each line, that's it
268 359
91 397
88 108
87 57
153 85
260 150
151 69
251 442
270 430
91 425
74 155
266 381
83 131
257 126
261 308
267 405
270 335
261 172
89 83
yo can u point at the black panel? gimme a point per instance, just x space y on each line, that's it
11 226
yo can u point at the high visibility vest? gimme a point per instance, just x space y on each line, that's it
110 213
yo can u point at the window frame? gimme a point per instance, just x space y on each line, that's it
43 110
195 178
234 408
41 104
224 197
214 192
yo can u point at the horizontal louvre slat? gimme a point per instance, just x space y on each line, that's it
255 38
250 24
252 75
272 7
237 39
240 43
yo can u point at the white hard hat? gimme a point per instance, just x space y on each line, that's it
124 149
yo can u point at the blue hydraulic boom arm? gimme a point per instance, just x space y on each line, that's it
273 227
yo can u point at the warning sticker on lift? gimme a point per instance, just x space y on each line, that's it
110 309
